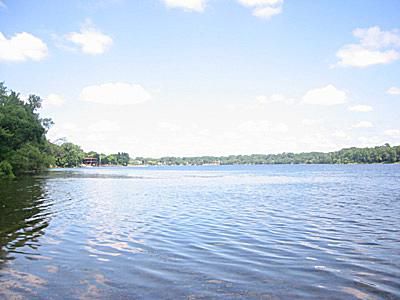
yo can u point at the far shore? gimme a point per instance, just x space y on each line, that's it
209 165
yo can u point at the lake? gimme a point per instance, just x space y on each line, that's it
206 232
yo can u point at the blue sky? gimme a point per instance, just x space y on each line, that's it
195 77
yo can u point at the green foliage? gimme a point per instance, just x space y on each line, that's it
68 155
379 154
29 158
6 170
122 158
23 142
109 160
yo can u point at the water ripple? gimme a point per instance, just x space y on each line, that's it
244 232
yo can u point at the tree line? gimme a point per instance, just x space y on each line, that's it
69 155
379 154
24 147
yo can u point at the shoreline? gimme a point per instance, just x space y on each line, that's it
217 165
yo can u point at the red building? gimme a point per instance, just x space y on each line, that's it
90 161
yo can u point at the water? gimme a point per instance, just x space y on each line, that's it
233 232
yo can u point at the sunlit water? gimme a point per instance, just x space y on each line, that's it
234 232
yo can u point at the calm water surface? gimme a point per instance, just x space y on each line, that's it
234 232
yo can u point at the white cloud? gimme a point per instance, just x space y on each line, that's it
358 56
21 47
370 141
393 91
279 128
117 93
188 5
328 95
260 2
264 8
2 4
267 11
392 132
61 131
53 100
274 98
262 126
361 108
340 134
363 124
24 98
168 126
375 47
70 126
310 122
104 126
90 40
375 38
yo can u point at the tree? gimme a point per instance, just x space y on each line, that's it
23 143
123 158
68 155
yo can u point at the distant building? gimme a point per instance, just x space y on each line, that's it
90 161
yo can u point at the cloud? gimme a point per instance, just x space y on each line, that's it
2 4
310 122
117 93
262 126
267 11
53 100
61 131
361 108
393 91
188 5
274 98
328 95
264 8
261 8
104 126
340 134
392 132
375 38
363 124
370 141
168 126
21 47
358 56
70 126
90 40
375 47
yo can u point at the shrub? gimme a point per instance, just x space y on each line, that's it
6 170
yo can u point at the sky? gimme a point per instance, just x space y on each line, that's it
208 77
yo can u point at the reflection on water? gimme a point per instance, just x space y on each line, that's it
24 216
23 219
243 232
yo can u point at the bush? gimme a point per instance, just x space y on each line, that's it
28 159
6 170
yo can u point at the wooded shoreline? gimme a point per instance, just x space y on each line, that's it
25 149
